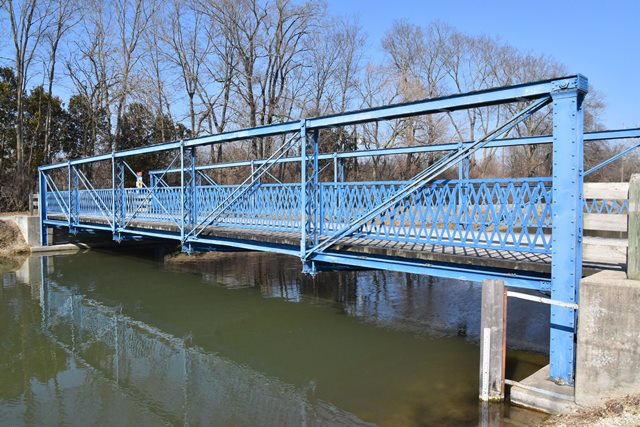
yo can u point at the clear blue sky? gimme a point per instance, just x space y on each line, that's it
600 39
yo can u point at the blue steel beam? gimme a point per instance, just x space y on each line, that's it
513 279
258 132
80 226
566 235
55 223
437 270
483 98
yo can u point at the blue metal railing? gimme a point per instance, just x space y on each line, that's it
500 214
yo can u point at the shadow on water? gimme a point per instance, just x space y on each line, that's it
245 339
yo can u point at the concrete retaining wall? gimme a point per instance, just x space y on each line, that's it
29 227
608 351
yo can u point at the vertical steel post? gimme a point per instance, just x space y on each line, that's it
303 188
189 194
42 208
74 198
339 192
315 190
182 211
153 184
193 185
463 196
113 194
198 182
119 197
310 192
70 219
566 238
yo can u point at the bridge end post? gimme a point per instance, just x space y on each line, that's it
42 207
493 336
566 237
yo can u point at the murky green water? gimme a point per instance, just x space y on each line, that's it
241 340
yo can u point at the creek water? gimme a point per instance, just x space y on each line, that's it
244 339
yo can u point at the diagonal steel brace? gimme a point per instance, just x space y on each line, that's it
245 188
427 175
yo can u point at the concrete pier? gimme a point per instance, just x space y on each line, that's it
608 357
608 349
633 229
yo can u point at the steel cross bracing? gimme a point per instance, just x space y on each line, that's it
319 221
424 177
240 192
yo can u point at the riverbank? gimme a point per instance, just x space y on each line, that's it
622 412
13 248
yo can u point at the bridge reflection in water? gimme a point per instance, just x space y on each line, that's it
250 341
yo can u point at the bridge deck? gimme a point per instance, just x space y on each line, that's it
458 255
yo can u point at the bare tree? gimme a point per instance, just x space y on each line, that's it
157 69
269 41
215 90
189 47
132 18
28 25
66 17
377 89
350 45
323 57
92 70
416 64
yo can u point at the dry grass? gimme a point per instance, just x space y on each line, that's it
622 412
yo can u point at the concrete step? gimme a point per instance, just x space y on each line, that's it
539 393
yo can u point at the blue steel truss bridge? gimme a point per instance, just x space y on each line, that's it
526 231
